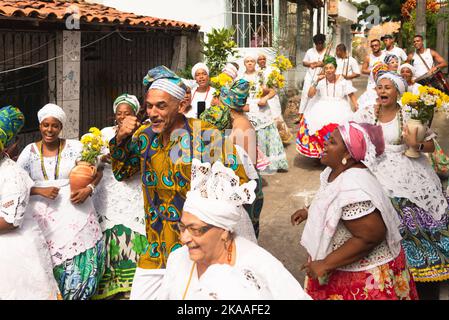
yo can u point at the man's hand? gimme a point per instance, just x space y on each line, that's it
129 125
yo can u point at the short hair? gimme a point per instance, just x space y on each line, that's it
319 38
341 47
375 40
418 36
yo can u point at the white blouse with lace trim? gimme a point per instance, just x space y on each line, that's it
401 176
380 255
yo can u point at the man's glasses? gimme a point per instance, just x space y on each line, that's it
196 232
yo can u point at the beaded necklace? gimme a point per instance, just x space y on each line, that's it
400 119
335 84
58 160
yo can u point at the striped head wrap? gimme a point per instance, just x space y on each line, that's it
164 79
235 96
11 122
379 69
230 70
128 99
399 82
331 60
389 57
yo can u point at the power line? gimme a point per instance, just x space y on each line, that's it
63 55
27 52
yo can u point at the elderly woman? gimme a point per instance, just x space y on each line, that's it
351 232
25 263
259 113
68 220
407 71
122 217
412 185
202 93
331 105
212 251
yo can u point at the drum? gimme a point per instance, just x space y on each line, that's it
435 80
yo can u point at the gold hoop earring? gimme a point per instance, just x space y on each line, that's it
344 161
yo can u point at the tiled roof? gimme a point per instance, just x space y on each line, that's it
89 12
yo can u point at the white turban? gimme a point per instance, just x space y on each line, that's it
250 55
399 82
230 70
216 197
408 66
199 66
51 110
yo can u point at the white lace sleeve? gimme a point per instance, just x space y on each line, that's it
364 115
348 88
357 210
24 159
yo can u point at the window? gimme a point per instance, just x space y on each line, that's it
253 22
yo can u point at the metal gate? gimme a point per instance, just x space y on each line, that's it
114 66
27 88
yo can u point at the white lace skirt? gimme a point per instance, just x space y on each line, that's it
325 111
26 270
368 98
120 202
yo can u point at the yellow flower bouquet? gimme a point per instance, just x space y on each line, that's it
220 81
93 144
276 79
422 105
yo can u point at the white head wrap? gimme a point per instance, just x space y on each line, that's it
230 70
216 196
170 87
51 110
408 66
250 55
128 99
399 82
199 66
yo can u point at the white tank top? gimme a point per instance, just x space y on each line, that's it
419 64
372 61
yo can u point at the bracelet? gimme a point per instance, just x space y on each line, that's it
92 187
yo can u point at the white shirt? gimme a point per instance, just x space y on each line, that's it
419 65
400 53
372 61
200 96
347 66
267 277
312 55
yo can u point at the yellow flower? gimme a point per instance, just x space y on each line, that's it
409 98
95 131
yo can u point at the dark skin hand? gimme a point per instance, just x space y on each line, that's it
5 227
47 192
368 232
81 195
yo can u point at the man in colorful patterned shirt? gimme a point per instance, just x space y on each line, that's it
161 152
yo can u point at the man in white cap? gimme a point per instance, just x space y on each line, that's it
162 152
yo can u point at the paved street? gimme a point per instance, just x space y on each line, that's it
283 196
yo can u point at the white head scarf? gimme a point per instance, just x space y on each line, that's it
128 99
399 82
216 196
51 110
198 66
408 66
250 55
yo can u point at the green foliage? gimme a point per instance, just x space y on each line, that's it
218 48
408 30
186 73
389 10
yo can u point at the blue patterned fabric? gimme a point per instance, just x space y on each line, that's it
11 122
235 96
164 73
425 241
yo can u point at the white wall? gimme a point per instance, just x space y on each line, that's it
206 13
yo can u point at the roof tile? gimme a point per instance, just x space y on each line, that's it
58 9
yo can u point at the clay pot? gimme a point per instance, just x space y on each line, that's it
82 175
413 125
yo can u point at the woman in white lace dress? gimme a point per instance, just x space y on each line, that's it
351 234
215 262
119 205
68 220
412 185
26 271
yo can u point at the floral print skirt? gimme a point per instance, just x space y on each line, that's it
390 281
271 146
123 248
425 241
78 277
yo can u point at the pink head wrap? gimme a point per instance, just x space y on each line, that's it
357 137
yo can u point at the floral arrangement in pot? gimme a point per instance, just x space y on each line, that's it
86 167
421 108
